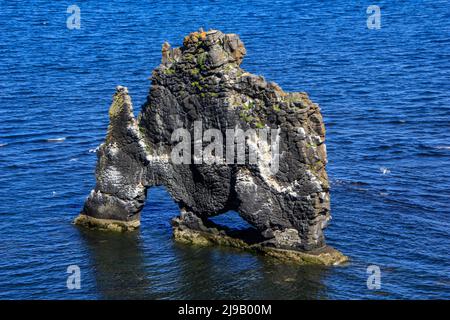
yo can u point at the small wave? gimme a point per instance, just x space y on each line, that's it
56 139
443 147
341 182
94 150
358 183
385 170
397 121
3 144
73 159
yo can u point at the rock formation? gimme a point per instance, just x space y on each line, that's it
202 82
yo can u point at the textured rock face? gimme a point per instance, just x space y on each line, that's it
203 81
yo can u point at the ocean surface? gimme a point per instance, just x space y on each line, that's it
385 99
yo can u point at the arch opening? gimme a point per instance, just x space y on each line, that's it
160 203
233 225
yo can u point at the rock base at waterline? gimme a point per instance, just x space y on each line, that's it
106 224
216 236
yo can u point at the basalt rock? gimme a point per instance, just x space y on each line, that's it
203 81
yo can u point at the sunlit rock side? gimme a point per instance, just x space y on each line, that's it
119 196
203 81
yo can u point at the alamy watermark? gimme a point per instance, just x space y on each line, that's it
374 18
374 278
74 278
74 20
262 145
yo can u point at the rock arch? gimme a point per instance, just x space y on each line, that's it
202 80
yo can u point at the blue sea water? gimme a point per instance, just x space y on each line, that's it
385 99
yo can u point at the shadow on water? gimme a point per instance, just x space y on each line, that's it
227 273
118 264
122 271
148 264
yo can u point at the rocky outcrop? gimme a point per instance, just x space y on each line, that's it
284 194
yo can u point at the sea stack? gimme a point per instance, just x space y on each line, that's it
197 87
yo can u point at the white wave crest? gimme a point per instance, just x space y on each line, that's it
56 139
94 150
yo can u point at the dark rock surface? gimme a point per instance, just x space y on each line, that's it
203 81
